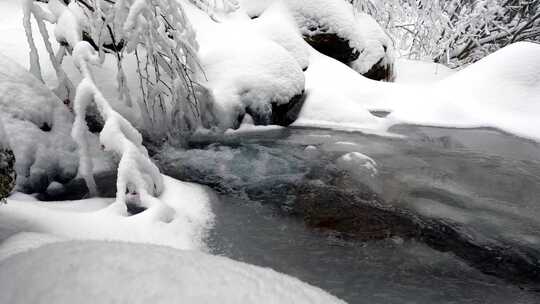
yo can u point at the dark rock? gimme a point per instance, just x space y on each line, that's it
45 127
357 215
278 114
332 45
380 72
286 114
380 113
360 214
76 189
7 172
94 121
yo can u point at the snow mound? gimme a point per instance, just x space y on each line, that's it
246 72
25 241
328 16
252 78
419 72
278 25
185 228
500 91
114 272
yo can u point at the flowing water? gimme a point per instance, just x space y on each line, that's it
481 182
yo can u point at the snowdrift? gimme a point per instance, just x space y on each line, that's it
501 91
188 219
112 272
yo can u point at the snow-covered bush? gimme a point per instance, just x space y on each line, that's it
38 127
157 33
138 178
455 32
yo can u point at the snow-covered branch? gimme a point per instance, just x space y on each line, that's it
138 178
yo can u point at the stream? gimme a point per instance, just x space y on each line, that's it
445 215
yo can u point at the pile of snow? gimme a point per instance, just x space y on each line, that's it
501 91
185 227
419 72
361 31
277 24
115 272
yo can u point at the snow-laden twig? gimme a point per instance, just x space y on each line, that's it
138 178
136 172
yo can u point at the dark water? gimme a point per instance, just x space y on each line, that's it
482 181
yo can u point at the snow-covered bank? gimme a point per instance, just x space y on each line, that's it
420 72
185 228
113 272
501 91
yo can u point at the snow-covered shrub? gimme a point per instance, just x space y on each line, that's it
455 32
138 178
157 33
38 127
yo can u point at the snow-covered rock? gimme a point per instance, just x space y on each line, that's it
114 272
277 24
38 126
376 60
335 29
253 79
248 72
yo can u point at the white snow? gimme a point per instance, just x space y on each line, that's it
189 218
378 46
419 72
243 68
115 272
500 91
277 24
24 241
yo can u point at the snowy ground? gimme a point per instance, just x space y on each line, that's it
116 272
501 91
98 219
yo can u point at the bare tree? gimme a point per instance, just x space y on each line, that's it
455 32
